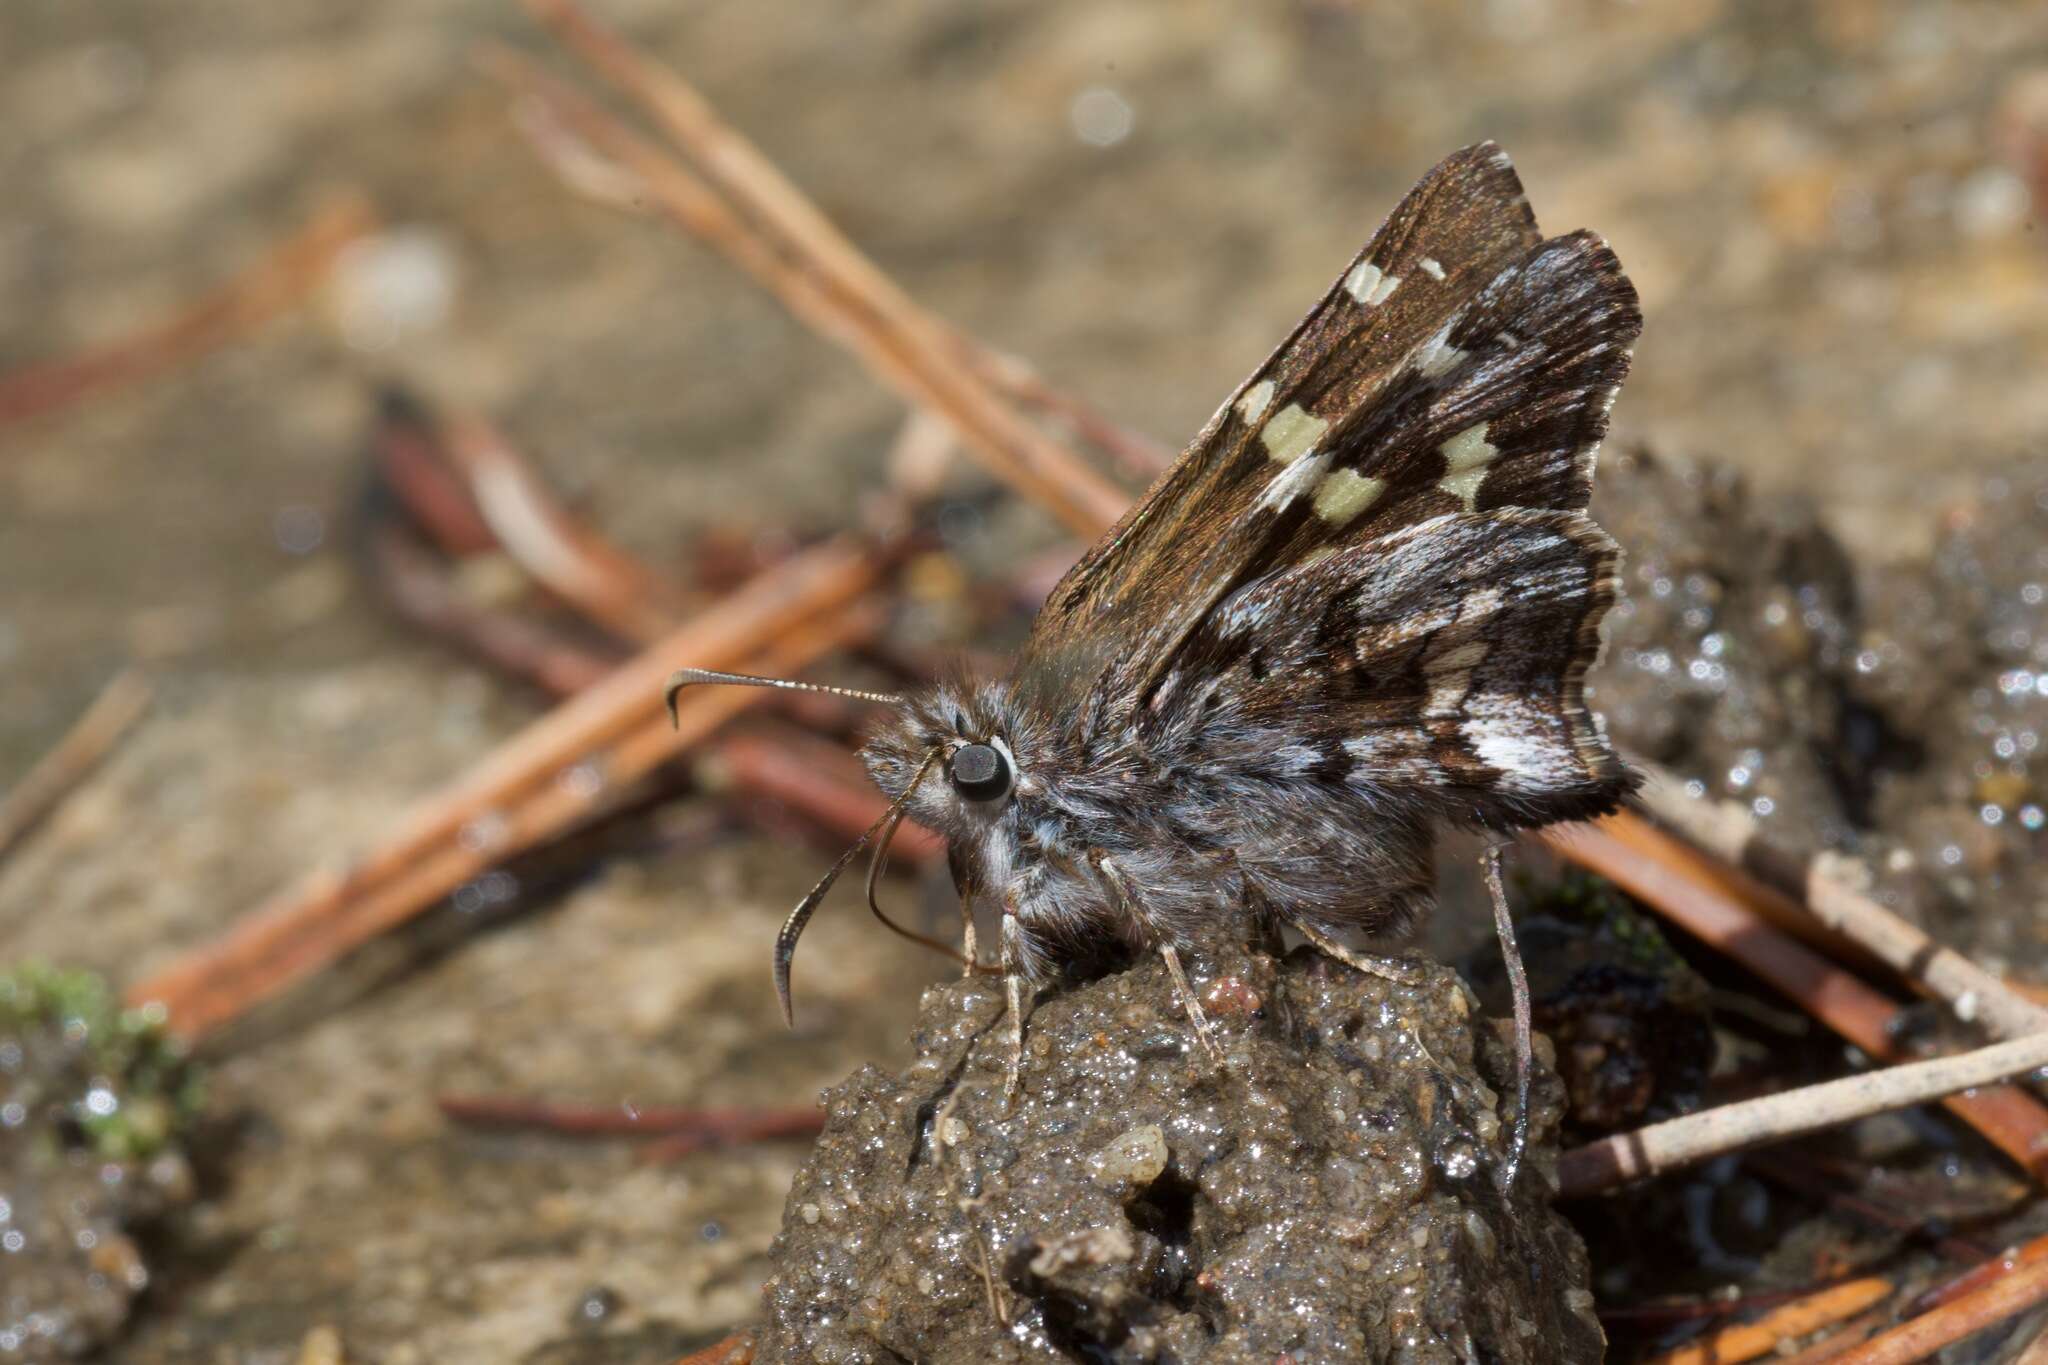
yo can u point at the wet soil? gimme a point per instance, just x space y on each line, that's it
1329 1189
1829 214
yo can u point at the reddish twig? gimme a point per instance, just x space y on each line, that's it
1831 1347
516 797
551 544
42 789
737 1349
816 778
252 298
764 226
1663 875
1137 454
761 1126
1983 1307
418 586
1809 1179
1807 879
1976 1277
1751 1340
709 1126
405 444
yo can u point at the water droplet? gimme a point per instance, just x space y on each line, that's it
298 529
1101 117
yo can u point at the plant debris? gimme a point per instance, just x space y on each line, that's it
95 1106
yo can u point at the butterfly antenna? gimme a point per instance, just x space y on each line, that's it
880 859
690 677
793 927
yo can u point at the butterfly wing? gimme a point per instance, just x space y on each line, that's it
1457 377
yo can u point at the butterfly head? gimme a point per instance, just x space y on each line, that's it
981 772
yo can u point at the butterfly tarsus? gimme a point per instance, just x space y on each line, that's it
1372 964
1013 993
970 949
1190 1002
1518 981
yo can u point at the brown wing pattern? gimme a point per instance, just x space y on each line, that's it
1453 383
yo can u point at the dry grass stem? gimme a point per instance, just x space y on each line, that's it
1681 1142
1654 868
554 547
59 772
1731 833
798 257
782 621
270 287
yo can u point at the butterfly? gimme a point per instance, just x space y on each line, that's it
1358 610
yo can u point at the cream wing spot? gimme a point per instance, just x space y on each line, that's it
1368 284
1342 495
1468 455
1432 267
1256 400
1292 433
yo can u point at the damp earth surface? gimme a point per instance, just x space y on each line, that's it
1332 1186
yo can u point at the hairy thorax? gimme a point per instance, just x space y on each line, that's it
1116 833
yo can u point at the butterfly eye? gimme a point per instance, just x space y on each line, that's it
979 772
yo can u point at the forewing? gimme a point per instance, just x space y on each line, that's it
1460 362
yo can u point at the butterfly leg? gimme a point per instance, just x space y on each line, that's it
1114 876
1013 991
970 956
1518 979
1189 1002
1372 964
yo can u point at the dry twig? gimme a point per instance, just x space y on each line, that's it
1750 1340
553 546
737 1349
272 286
763 225
1681 1142
819 779
418 585
1918 1338
517 797
678 1130
58 773
1664 875
1808 879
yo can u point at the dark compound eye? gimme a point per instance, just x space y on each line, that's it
979 772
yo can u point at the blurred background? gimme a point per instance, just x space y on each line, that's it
1833 213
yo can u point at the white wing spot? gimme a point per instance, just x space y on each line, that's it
1369 284
1438 357
1468 454
1292 433
1293 481
1256 399
1450 677
1432 267
1344 494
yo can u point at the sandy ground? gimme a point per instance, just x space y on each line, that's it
1827 212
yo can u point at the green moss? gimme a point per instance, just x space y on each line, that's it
115 1073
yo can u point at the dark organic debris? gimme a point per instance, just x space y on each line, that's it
1329 1189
